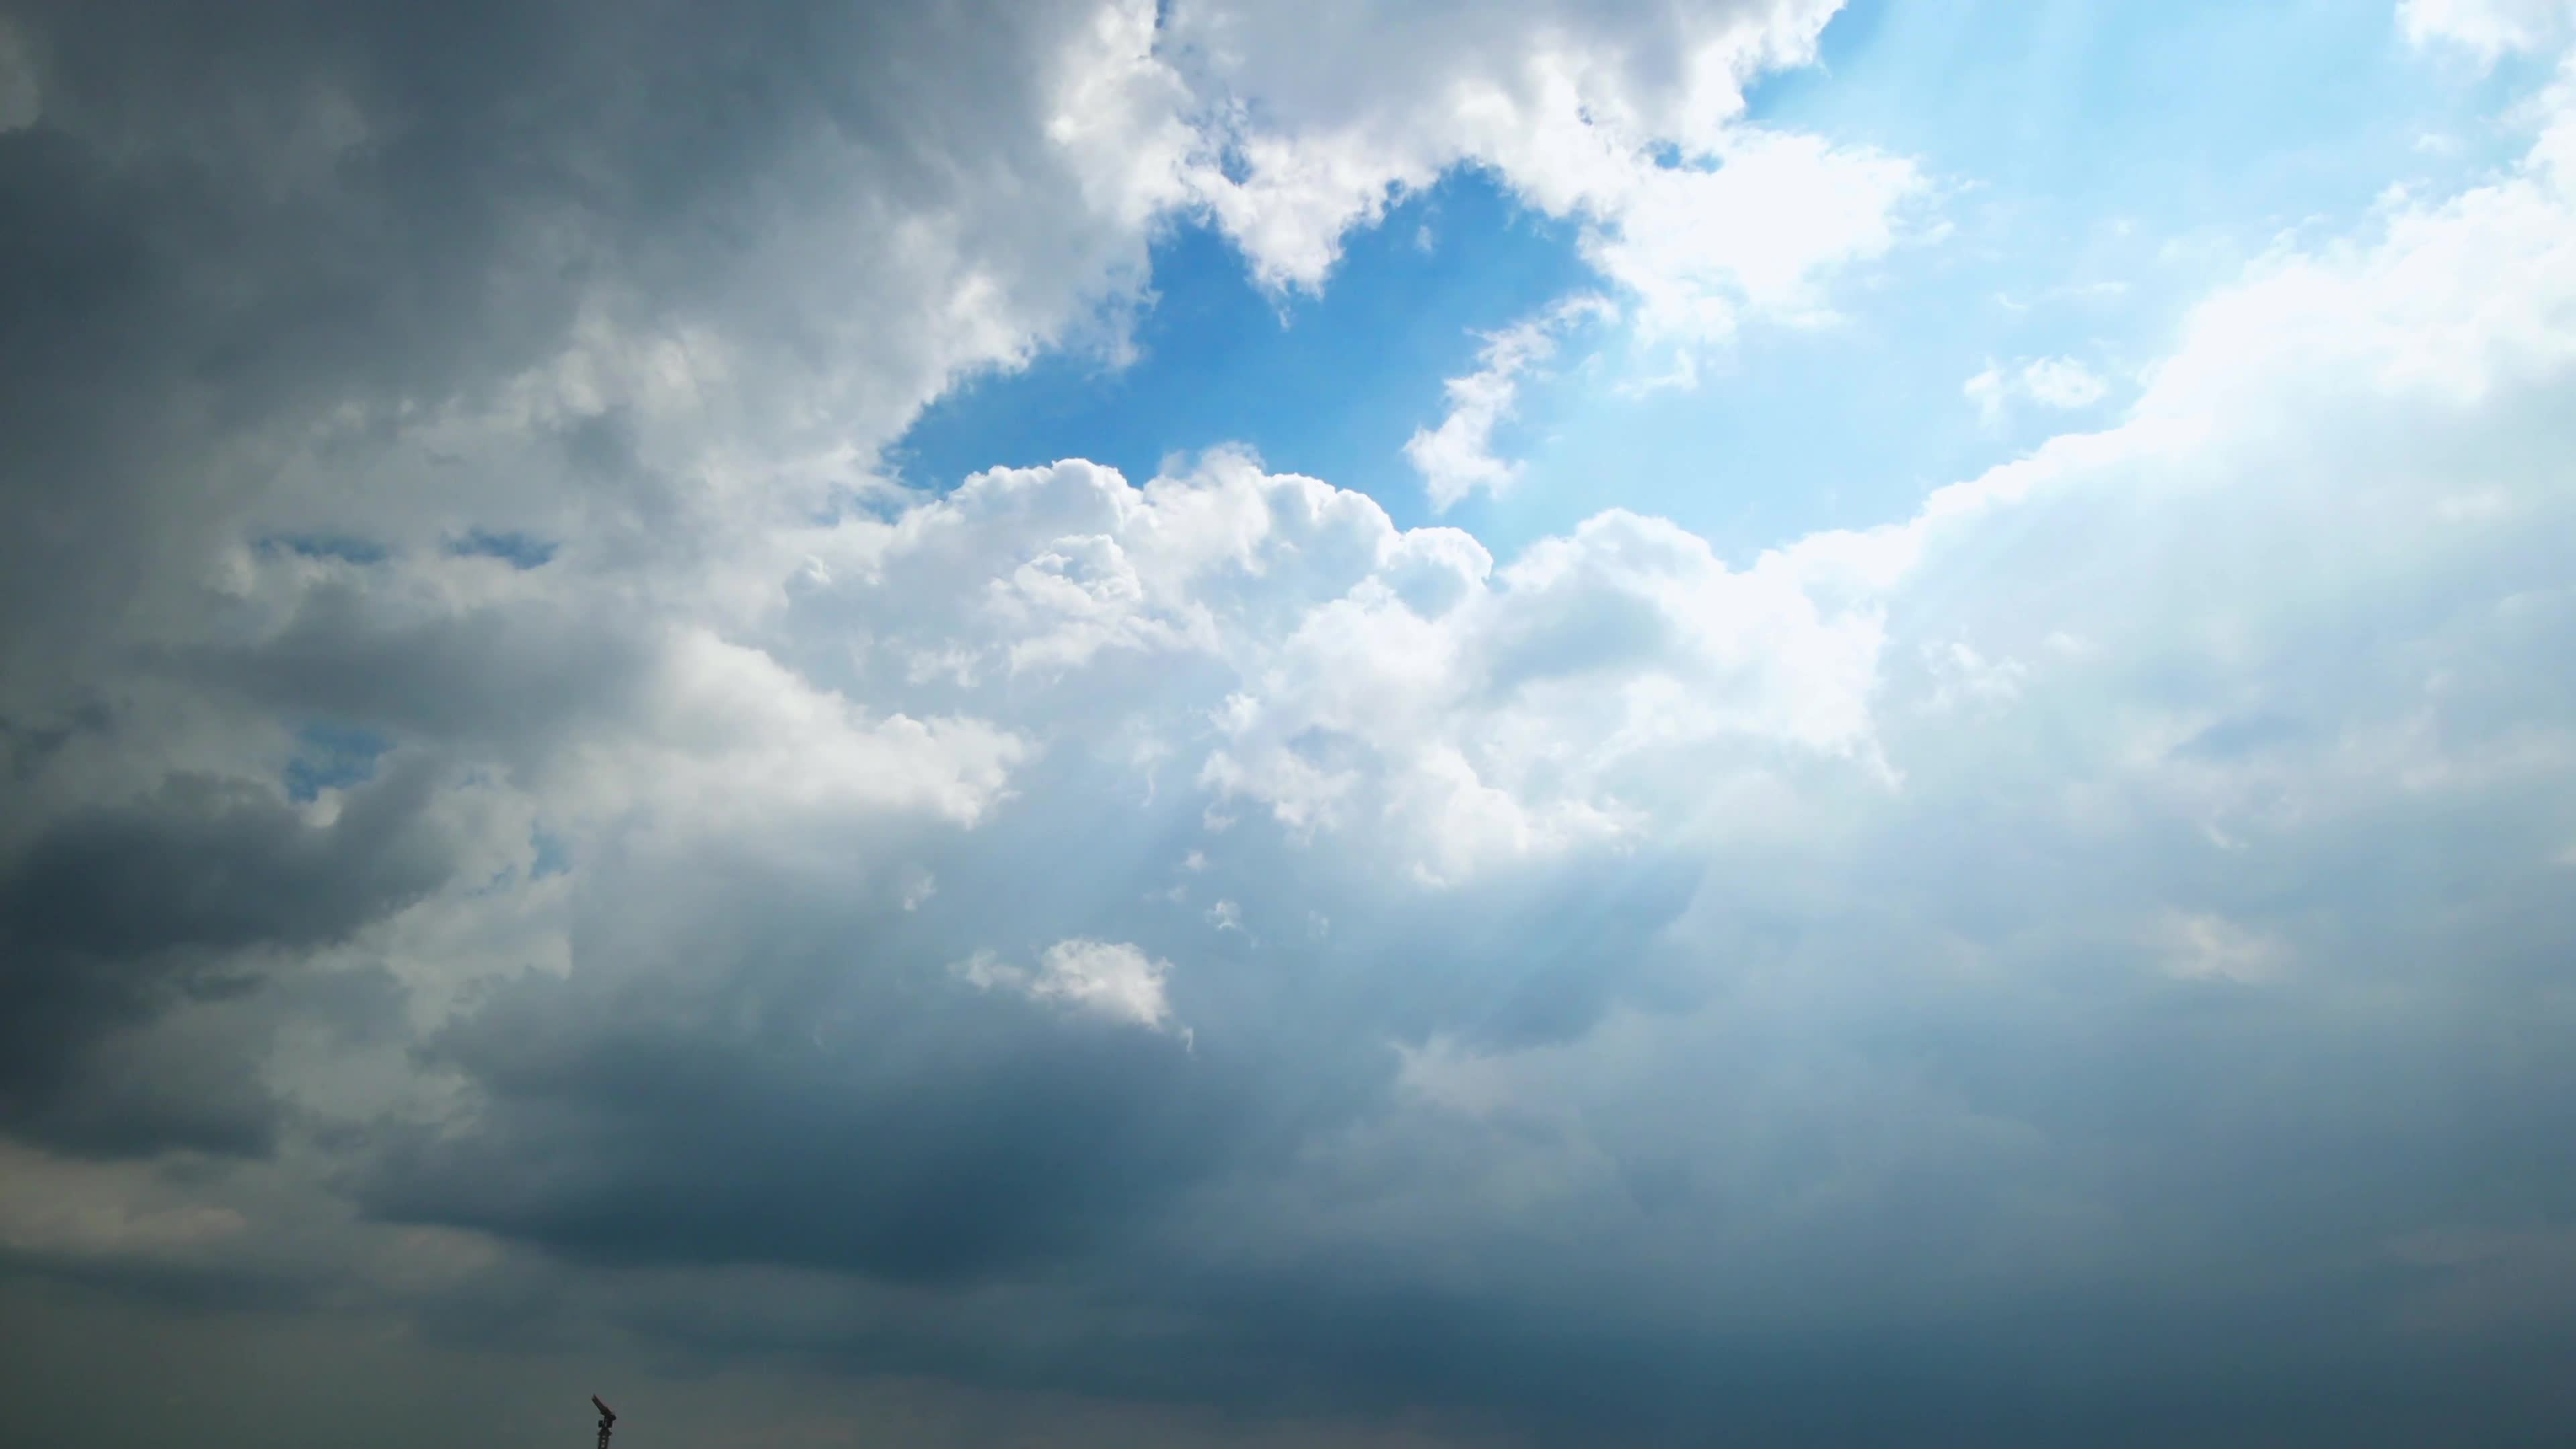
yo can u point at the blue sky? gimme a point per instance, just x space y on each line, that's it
1328 385
2102 166
1765 721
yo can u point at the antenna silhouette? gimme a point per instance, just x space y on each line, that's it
607 1416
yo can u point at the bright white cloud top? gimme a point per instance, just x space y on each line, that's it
530 850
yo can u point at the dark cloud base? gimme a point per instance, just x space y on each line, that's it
113 916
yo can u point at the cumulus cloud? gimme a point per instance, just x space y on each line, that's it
1629 119
1109 979
1617 988
1674 242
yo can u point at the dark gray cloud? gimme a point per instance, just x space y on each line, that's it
237 254
933 1150
763 1066
114 915
498 679
224 237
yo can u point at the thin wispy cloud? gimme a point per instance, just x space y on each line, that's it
2059 384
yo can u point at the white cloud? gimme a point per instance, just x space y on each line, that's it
1628 121
1685 243
1370 677
1457 458
1400 689
2214 544
2203 946
1966 678
2487 29
1113 980
1276 641
2059 383
744 737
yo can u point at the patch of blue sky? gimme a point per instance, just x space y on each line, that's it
519 550
332 757
2098 166
2101 165
1328 385
342 547
552 856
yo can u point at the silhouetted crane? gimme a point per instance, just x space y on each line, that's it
607 1416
